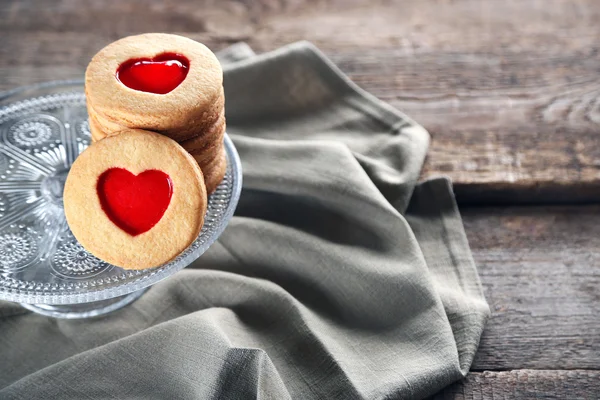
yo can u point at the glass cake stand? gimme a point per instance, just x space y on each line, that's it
42 266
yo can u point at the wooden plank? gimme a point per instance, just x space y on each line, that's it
540 269
525 384
509 89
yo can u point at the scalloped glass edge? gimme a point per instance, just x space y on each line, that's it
155 275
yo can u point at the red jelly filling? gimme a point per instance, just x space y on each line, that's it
135 203
159 75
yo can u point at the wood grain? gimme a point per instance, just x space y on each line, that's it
508 89
539 267
540 270
525 384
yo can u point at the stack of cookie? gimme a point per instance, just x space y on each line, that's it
162 83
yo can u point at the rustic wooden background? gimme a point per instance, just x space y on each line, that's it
509 90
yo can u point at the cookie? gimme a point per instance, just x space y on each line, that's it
135 200
201 130
108 128
96 130
206 138
215 171
196 126
160 82
207 156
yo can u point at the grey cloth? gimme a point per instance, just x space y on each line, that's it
339 277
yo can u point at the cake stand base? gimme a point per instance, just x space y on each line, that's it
84 310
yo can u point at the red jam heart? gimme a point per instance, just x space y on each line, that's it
135 203
159 75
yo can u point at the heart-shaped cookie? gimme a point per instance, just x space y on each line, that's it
135 200
135 203
156 81
160 74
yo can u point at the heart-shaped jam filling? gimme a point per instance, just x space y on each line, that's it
135 203
159 75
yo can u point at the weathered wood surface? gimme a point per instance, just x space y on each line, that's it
525 384
508 89
540 269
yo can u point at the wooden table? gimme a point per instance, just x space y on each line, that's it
509 91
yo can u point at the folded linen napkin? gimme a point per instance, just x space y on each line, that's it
339 277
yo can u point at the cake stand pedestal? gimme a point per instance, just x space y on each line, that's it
84 310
